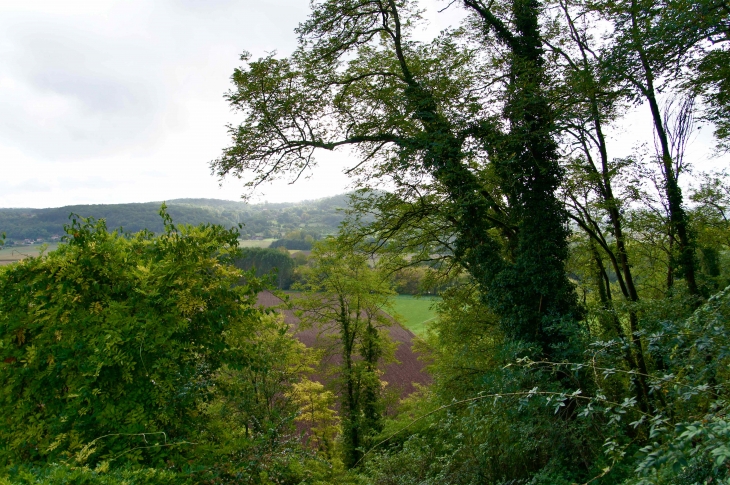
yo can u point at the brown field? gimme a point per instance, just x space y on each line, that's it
403 376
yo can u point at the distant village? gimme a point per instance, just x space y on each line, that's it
30 242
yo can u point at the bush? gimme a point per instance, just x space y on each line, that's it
65 475
109 343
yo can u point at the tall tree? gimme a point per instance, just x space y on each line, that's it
591 99
646 65
418 112
526 161
344 298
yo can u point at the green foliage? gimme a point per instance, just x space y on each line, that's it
477 424
296 240
712 83
689 436
274 264
249 429
65 475
414 112
463 433
110 343
711 224
345 299
262 220
407 281
292 244
317 414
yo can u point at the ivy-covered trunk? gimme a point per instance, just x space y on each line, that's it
532 293
351 431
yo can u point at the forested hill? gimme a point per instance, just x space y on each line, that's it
259 220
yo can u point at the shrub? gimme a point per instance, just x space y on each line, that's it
108 344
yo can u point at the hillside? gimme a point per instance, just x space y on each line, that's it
259 220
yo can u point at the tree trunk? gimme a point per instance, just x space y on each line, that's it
677 215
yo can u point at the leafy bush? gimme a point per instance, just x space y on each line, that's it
109 343
64 475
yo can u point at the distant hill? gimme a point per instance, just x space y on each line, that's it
318 217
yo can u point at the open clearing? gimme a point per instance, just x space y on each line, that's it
16 253
255 243
415 312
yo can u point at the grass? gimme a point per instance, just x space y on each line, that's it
255 243
16 253
414 313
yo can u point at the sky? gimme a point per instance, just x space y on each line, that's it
105 101
122 101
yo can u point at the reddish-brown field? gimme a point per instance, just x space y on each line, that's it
402 375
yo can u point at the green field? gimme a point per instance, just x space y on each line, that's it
414 313
16 253
255 243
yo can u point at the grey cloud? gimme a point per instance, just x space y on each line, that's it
103 93
117 89
115 82
204 5
28 186
103 73
96 93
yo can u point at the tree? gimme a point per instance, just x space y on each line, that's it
267 262
696 36
345 298
711 222
248 424
317 413
644 61
590 99
417 112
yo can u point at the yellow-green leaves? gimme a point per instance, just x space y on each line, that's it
115 336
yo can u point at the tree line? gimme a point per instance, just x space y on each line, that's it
258 220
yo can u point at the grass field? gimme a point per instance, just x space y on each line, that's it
414 313
255 243
16 253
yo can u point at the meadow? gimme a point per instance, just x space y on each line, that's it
16 253
255 243
415 313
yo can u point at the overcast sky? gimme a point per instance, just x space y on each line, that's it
122 101
106 101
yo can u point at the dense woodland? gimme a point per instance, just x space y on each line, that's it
259 220
584 327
